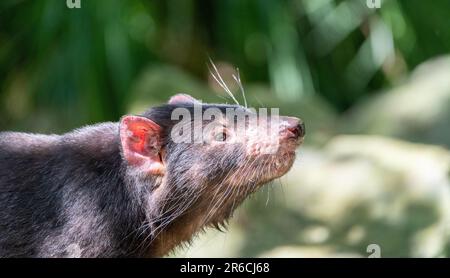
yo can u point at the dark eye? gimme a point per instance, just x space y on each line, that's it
220 136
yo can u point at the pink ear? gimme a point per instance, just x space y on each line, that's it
182 98
141 144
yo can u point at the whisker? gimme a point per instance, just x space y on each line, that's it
268 194
220 81
241 87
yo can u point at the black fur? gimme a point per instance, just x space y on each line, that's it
57 191
75 194
61 190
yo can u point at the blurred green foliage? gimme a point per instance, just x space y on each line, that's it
61 68
340 65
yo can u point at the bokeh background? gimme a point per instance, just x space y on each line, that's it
372 85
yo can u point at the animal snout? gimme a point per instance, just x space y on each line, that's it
294 128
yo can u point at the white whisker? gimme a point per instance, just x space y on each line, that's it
220 81
238 81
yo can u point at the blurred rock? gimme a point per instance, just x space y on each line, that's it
337 201
368 189
306 252
418 110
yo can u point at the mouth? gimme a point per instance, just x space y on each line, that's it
285 158
296 141
278 164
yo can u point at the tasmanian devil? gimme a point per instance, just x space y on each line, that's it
139 187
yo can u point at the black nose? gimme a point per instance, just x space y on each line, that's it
295 127
298 130
302 129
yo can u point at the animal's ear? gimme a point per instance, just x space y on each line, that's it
141 144
182 98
